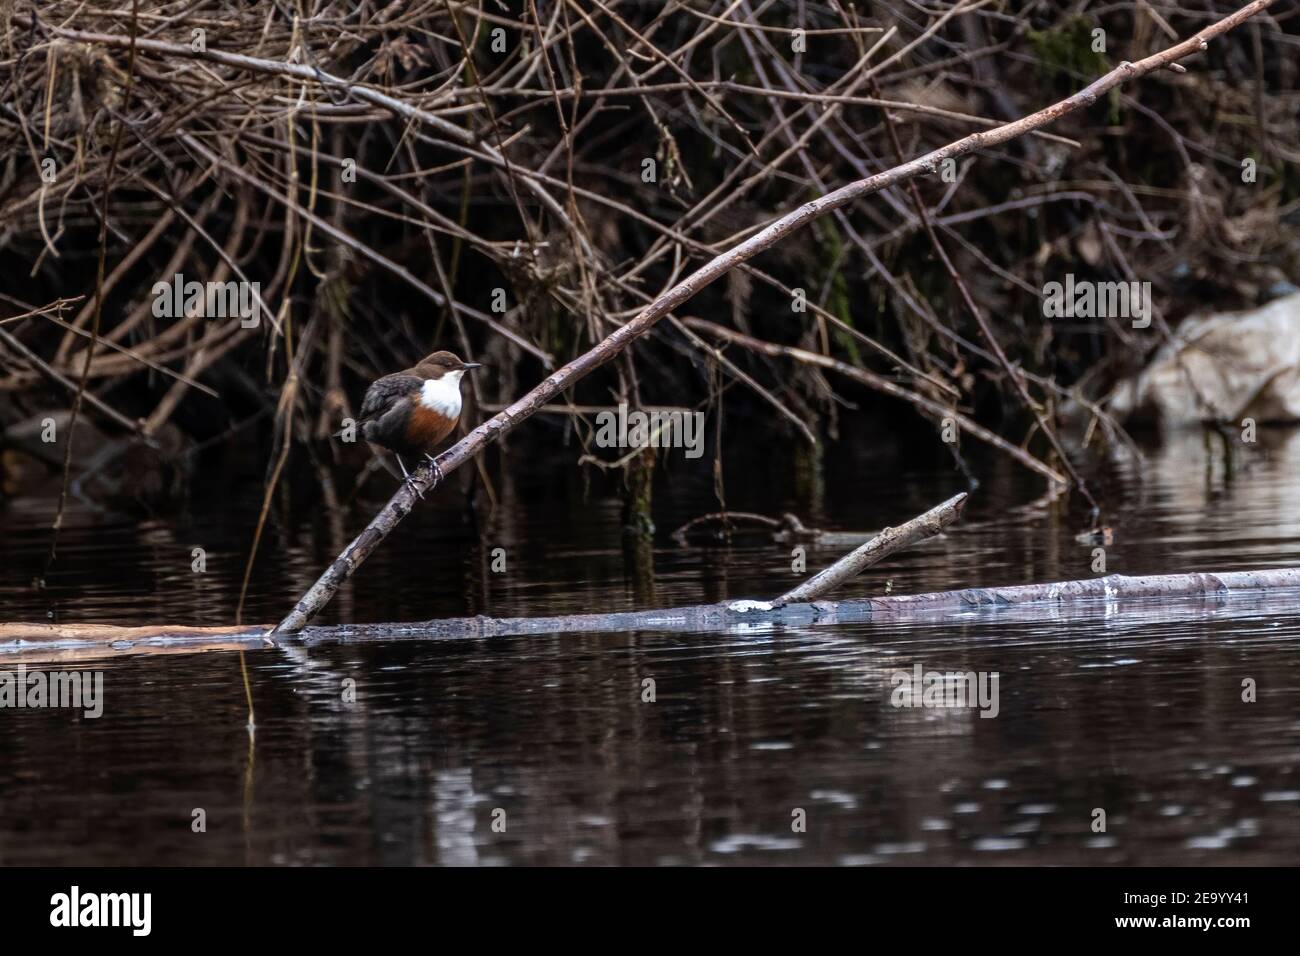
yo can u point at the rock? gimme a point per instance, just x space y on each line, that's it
1221 368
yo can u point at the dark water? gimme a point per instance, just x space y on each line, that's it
1140 715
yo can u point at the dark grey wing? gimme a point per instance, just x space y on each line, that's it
387 392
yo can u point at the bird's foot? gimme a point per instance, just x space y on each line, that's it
413 487
437 469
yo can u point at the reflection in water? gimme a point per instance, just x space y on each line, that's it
761 745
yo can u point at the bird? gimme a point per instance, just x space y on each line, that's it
409 413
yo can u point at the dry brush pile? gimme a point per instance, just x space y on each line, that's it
515 180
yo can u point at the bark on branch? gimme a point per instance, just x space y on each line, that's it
401 503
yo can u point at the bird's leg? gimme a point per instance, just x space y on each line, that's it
437 469
406 476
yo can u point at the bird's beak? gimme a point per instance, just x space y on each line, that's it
470 365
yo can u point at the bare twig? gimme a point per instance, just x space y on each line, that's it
880 547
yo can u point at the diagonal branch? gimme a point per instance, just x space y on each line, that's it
877 549
346 564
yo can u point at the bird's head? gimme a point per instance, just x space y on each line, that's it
443 364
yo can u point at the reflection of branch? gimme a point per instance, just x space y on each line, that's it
726 518
401 503
784 529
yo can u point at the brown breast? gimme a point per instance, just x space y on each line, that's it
426 428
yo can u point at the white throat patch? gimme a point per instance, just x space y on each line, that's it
443 394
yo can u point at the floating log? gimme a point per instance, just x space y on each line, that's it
24 643
1173 594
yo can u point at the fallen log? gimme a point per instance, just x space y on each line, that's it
1167 595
